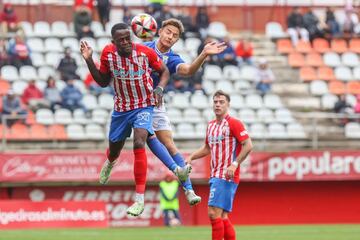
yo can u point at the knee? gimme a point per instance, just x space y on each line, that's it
139 143
170 146
212 215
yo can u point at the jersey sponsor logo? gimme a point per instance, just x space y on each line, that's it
215 139
143 116
129 73
243 133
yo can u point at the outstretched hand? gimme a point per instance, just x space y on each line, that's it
86 50
214 48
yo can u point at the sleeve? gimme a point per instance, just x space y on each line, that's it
104 63
174 63
238 130
206 136
154 60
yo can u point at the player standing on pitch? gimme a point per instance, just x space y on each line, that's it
169 34
228 143
129 66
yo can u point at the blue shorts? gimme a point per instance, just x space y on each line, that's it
222 194
122 123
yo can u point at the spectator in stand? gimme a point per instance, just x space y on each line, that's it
296 26
162 15
190 29
80 5
9 20
82 23
157 5
33 97
127 16
71 97
343 107
19 51
331 22
357 105
228 56
264 77
12 108
198 88
67 66
202 21
350 21
4 57
94 87
244 52
177 84
104 7
311 23
52 94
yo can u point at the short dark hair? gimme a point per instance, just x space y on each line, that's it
118 26
221 93
173 22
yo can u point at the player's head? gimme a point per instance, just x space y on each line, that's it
221 103
170 31
121 38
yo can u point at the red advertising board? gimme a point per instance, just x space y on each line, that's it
259 167
54 213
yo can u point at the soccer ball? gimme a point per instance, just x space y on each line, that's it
144 26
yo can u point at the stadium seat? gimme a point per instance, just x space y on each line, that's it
39 132
272 101
80 117
208 114
331 59
224 85
72 43
318 88
284 46
208 86
44 116
37 59
57 132
328 101
354 45
321 45
94 132
296 60
277 131
351 99
28 29
179 46
274 30
192 44
90 101
258 131
41 85
185 130
53 59
356 73
248 73
100 116
247 116
296 131
303 47
63 116
53 45
60 84
339 45
199 101
314 60
200 130
308 73
42 29
19 131
343 74
75 132
45 71
353 87
350 59
265 115
254 101
106 101
18 87
60 29
283 115
92 42
28 73
4 87
337 87
325 73
237 101
231 73
174 115
213 73
98 29
102 42
217 30
192 115
242 86
81 86
9 73
352 130
36 45
180 100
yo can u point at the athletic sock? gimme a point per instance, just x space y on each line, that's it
179 159
229 231
139 197
161 152
140 168
217 227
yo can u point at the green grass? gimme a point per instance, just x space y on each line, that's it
289 232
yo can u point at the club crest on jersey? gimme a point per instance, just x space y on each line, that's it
128 73
165 59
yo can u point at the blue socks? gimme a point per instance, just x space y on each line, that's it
161 152
178 158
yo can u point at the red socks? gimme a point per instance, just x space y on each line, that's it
229 231
217 229
140 169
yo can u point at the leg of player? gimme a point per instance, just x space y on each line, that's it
112 153
217 225
165 136
160 151
140 170
229 231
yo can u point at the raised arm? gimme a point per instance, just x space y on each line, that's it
212 48
103 79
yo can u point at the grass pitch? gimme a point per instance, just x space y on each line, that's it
288 232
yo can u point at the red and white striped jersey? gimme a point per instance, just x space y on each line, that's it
224 139
131 76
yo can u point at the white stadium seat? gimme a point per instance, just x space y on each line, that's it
94 132
19 87
45 71
352 130
198 100
36 44
180 100
212 72
185 130
274 30
318 88
247 115
90 101
192 115
53 45
343 73
44 116
75 132
106 101
37 59
331 59
248 73
237 101
350 59
272 101
63 116
60 29
9 73
232 73
277 131
80 117
42 29
328 101
283 115
28 73
254 101
258 131
295 130
100 116
265 115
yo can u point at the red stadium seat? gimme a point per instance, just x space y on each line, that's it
353 87
296 60
303 47
4 87
308 74
314 60
337 87
339 45
57 132
354 45
321 45
39 132
19 131
326 73
284 46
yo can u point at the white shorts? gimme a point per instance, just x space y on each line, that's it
161 120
